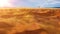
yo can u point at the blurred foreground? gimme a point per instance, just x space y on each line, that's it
29 21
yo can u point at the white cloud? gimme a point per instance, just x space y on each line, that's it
32 0
53 1
46 3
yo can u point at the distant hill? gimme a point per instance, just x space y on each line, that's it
55 7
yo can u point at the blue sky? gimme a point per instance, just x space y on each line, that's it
36 3
33 3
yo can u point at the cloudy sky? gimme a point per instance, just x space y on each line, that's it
30 3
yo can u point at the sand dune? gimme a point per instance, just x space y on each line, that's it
21 20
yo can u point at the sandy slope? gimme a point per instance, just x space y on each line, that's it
19 20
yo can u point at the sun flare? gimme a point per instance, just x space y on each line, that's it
4 3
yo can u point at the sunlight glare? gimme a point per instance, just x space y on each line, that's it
4 3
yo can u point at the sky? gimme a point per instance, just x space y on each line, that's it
30 3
